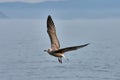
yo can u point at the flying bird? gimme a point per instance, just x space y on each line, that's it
55 49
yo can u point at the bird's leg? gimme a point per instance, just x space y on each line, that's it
60 59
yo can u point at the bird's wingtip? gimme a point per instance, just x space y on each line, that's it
87 44
49 16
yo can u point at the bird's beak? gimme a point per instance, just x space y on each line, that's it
45 50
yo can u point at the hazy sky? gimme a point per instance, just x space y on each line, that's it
29 1
62 9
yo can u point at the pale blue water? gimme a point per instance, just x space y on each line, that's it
22 43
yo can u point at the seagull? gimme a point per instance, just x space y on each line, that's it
55 49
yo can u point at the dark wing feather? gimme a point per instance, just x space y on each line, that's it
63 50
55 45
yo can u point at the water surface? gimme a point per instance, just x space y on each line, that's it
22 43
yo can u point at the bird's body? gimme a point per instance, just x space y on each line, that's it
55 45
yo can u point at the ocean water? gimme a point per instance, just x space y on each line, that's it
22 57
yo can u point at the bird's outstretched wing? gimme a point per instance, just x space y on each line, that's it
55 45
63 50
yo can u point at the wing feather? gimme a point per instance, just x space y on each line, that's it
63 50
55 45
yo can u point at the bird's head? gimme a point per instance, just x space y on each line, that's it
49 50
